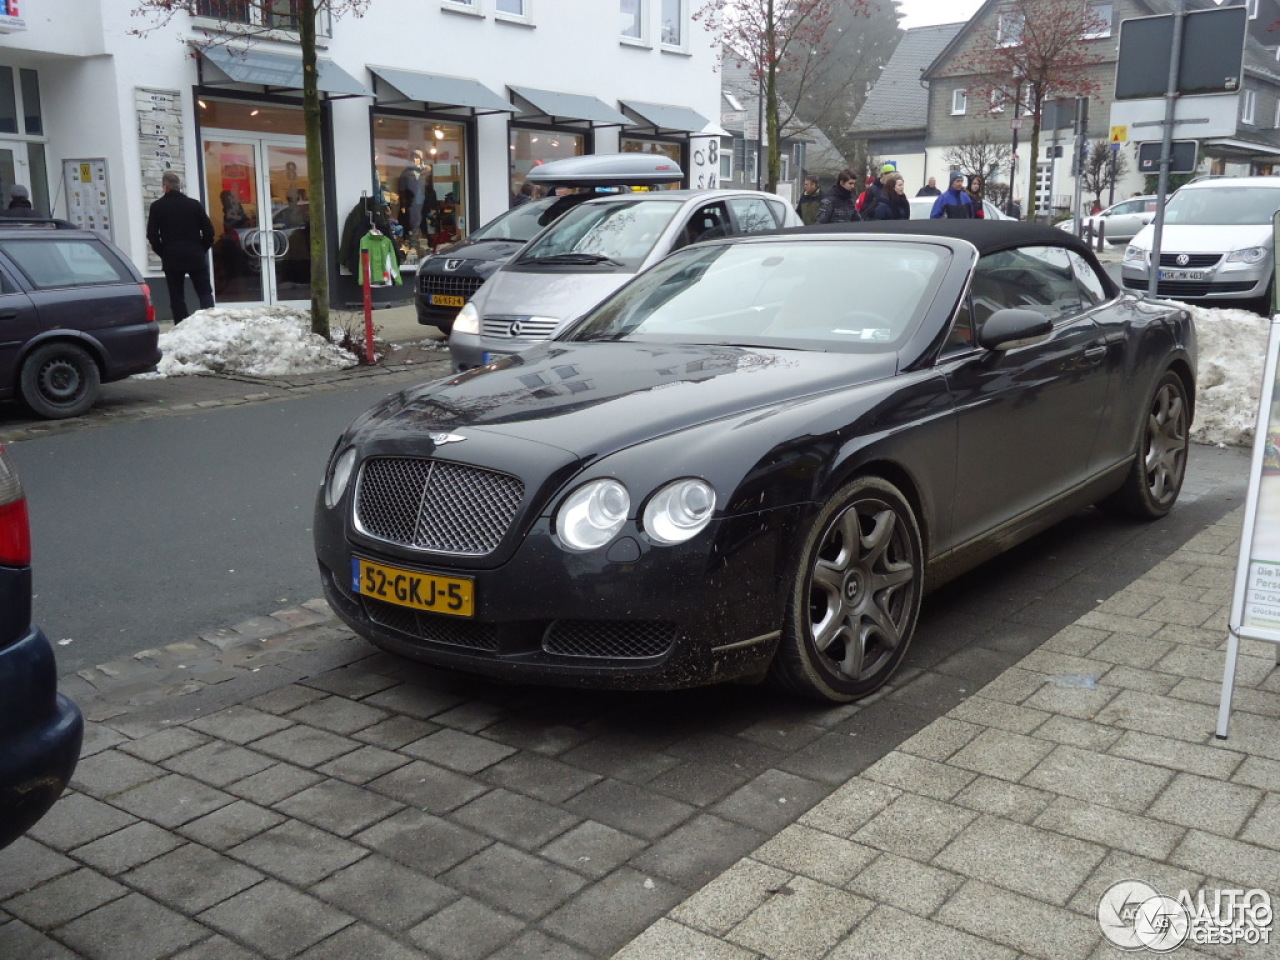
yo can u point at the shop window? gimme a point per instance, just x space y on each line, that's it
672 151
531 148
33 120
432 155
8 102
633 15
674 15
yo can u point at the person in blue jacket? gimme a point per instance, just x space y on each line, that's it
955 202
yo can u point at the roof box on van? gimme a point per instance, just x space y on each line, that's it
607 170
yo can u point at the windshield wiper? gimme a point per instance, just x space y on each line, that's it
574 258
498 240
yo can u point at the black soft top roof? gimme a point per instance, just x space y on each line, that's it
989 236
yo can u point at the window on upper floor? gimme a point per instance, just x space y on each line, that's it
461 6
675 16
517 10
1253 9
1098 18
1009 24
633 15
1248 106
997 101
1276 122
272 14
959 102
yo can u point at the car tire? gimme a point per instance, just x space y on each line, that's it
59 380
1160 463
855 595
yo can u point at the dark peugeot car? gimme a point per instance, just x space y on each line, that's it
735 467
40 729
75 314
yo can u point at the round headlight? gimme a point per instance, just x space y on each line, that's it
593 514
467 320
679 511
339 477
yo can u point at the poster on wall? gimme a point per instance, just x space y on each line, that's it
88 196
704 165
160 128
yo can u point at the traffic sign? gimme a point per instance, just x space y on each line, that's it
1119 135
1211 60
1182 157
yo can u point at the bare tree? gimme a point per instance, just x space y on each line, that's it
233 23
978 153
776 37
1103 169
1031 52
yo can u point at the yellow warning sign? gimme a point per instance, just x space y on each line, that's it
1119 134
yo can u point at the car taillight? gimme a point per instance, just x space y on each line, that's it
15 528
151 308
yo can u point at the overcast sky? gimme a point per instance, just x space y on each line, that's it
922 13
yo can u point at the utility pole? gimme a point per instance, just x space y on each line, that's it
1013 156
1166 147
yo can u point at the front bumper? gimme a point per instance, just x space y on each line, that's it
40 735
1222 281
630 615
468 350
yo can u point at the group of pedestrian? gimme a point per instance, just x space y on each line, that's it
885 198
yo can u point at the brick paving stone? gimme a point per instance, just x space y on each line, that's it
1014 685
472 717
1074 695
540 777
629 808
356 682
274 919
273 784
385 893
1186 612
592 849
835 757
106 774
515 819
172 800
239 724
192 878
359 940
163 745
98 737
298 853
925 777
515 881
1077 641
1251 734
428 787
618 758
219 763
605 915
536 945
304 746
698 850
1000 798
338 807
771 801
1097 778
914 938
779 733
363 764
414 700
907 884
915 827
1078 733
230 825
1137 652
59 901
131 928
815 854
1258 772
1116 829
286 699
749 754
458 750
1263 826
466 930
1246 699
801 921
395 733
1149 713
1131 678
849 808
994 713
551 738
338 715
940 739
700 784
77 819
1118 865
1212 805
666 940
423 841
22 942
727 900
999 753
1020 922
125 849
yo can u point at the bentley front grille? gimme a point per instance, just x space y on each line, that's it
625 639
432 628
436 505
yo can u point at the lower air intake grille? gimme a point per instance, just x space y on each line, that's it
432 628
609 638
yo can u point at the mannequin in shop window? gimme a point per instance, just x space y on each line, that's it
410 200
429 203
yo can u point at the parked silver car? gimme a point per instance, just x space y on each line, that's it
589 252
1120 222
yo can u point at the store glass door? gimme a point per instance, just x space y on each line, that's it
13 169
257 191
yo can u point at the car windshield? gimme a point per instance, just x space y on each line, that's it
520 223
619 231
780 293
1222 205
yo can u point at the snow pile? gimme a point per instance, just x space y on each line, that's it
255 342
1233 346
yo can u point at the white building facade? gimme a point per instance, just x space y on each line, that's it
95 106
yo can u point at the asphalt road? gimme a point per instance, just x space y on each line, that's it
152 531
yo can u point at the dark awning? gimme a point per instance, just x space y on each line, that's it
276 71
436 92
566 107
664 118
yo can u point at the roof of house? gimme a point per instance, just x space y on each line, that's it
899 101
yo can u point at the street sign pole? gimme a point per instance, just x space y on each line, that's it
1166 148
1078 159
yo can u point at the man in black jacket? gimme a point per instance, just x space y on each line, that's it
181 234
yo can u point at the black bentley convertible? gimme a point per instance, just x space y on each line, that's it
756 458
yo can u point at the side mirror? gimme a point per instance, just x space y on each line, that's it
1014 327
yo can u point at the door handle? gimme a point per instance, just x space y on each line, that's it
1095 352
8 314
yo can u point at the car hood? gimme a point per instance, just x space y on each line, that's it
469 249
553 292
594 398
1178 238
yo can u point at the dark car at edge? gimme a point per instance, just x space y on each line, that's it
735 468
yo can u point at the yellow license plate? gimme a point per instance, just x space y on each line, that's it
441 300
408 588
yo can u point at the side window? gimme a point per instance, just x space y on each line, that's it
64 263
1044 279
1087 277
707 223
753 214
962 336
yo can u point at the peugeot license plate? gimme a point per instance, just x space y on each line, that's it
444 300
409 588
